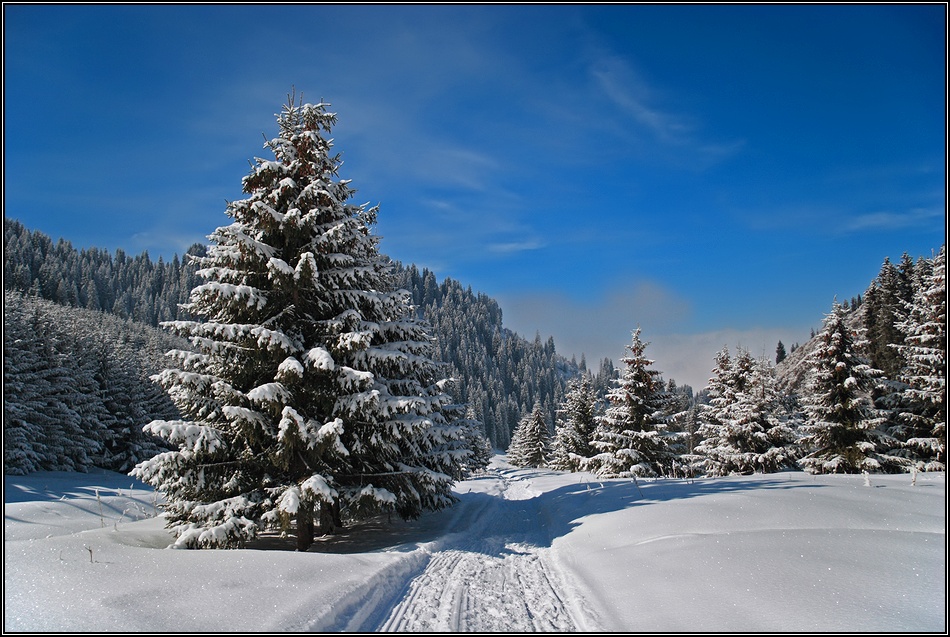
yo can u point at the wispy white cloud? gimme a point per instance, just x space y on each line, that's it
516 246
841 221
626 89
892 220
647 106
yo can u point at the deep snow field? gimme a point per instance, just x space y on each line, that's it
523 550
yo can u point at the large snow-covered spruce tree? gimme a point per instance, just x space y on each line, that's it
842 428
310 393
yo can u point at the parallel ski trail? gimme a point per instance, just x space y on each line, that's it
494 578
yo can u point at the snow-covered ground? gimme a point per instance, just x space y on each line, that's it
524 550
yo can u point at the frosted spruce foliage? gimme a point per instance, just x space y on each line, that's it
923 354
576 422
741 427
75 388
530 441
632 437
842 429
309 396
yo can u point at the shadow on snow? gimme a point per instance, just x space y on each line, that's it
493 525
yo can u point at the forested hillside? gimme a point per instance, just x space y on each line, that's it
499 373
129 287
105 341
76 390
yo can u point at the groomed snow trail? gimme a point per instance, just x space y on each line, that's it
493 574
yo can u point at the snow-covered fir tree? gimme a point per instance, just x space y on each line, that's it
923 427
310 394
631 438
577 420
841 429
472 437
740 427
531 441
476 442
885 303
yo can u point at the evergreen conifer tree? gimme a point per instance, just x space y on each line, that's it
841 430
741 430
530 441
924 355
630 438
310 393
477 443
577 420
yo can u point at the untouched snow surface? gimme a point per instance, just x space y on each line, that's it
523 550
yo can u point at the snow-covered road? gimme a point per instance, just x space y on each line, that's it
494 571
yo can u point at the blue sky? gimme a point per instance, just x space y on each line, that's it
715 174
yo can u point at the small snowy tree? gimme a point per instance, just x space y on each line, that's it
530 441
310 392
479 444
577 420
473 450
630 438
841 432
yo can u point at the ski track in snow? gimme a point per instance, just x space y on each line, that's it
481 580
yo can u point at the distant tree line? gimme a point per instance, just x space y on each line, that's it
866 394
500 374
129 287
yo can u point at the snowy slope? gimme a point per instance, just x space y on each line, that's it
524 550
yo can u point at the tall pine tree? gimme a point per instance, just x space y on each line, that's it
310 394
577 420
741 430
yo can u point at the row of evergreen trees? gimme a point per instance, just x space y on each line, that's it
844 415
129 287
309 389
76 389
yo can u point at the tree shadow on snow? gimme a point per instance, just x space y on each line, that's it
495 526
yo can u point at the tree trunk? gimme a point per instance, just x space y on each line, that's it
337 520
304 526
326 519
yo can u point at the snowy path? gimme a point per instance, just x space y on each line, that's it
494 572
